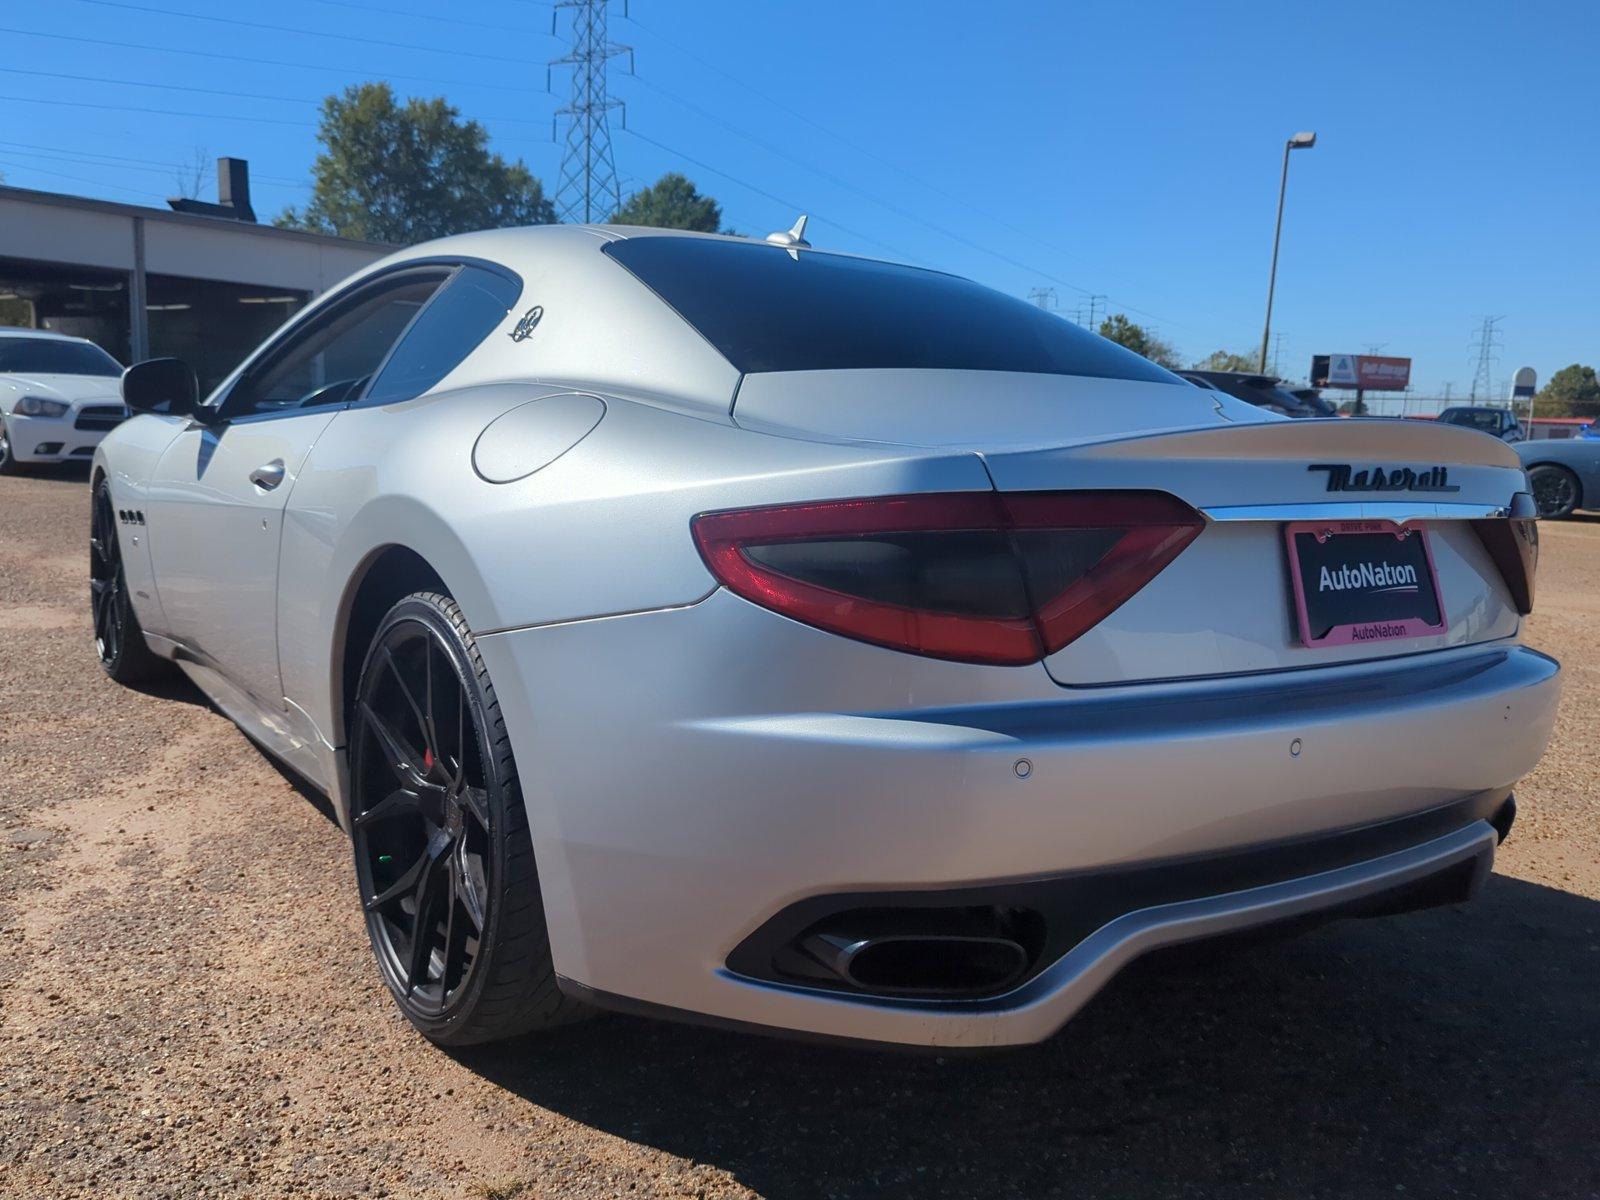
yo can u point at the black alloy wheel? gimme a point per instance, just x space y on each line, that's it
118 640
442 853
1555 491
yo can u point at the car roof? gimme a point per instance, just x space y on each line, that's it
1255 378
46 334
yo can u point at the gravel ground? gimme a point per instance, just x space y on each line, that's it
188 1008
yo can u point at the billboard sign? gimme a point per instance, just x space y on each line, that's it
1365 372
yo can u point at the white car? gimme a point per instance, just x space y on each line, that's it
59 396
748 633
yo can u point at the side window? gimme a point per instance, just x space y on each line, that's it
330 358
460 317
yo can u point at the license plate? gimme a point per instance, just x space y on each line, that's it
1363 581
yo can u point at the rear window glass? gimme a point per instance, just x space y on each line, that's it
766 309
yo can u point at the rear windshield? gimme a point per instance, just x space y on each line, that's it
766 309
45 356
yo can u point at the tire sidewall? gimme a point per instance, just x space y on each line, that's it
8 451
501 786
113 667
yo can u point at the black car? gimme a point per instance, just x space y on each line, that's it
1496 422
1264 391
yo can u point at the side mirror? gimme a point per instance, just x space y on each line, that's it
161 385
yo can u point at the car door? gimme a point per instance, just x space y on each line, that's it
216 500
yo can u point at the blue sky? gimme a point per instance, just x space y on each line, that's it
1130 150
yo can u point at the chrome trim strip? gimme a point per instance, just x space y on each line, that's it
1399 511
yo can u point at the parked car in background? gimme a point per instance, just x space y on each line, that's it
59 396
1563 474
1485 418
703 627
1316 400
1263 391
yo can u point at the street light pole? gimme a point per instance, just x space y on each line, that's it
1300 141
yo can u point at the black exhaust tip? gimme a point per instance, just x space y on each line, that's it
942 953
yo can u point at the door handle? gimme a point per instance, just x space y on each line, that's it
268 475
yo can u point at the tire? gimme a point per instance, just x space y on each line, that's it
118 640
1555 491
439 830
8 461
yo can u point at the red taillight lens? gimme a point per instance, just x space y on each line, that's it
973 576
1513 544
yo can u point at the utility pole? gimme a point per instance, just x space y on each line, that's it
1300 141
587 188
1045 298
1488 343
1094 300
1277 351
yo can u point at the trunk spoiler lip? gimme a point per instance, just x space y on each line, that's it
1372 440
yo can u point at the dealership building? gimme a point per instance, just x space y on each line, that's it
201 282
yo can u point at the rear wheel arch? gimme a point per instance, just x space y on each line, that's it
388 575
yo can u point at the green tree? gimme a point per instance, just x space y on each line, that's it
1117 328
404 173
1572 392
1224 360
672 202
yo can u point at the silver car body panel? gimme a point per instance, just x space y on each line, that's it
691 762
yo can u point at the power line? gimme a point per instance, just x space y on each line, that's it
502 30
180 87
864 151
266 62
847 185
116 187
18 150
320 33
779 200
93 158
175 87
165 112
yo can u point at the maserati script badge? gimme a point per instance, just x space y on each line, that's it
1342 477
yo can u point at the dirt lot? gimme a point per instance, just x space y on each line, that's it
187 1006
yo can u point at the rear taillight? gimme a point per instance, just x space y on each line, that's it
1513 544
973 576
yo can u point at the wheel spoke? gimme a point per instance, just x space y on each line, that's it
399 802
402 761
402 886
411 700
455 933
469 880
475 801
424 927
428 729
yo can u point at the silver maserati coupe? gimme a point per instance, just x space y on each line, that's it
730 630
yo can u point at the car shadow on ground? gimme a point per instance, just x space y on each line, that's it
1451 1052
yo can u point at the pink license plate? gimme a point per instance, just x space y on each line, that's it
1363 581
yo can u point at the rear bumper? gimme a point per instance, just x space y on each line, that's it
691 774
